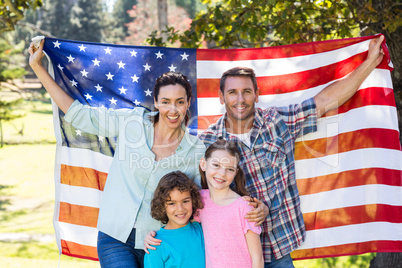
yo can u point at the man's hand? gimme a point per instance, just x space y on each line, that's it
258 213
375 51
151 240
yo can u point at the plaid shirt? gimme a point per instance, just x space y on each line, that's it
269 167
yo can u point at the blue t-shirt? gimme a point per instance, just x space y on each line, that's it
183 247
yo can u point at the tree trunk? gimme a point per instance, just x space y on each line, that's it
162 18
387 260
394 43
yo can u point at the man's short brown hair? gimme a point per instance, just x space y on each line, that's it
238 72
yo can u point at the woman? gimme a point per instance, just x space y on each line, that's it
149 145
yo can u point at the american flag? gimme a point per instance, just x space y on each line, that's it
349 172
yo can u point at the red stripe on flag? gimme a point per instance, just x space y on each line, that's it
352 215
84 177
347 249
204 121
363 97
79 215
79 251
276 52
293 82
349 141
349 178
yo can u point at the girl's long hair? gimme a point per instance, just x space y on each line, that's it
239 182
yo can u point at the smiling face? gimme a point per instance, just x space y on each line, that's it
179 209
239 97
220 169
172 104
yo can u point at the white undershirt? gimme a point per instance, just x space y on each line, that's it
244 137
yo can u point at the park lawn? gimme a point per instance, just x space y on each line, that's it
36 124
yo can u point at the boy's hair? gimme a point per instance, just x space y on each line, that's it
238 72
239 182
169 182
172 78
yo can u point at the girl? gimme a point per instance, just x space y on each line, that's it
175 202
230 240
149 145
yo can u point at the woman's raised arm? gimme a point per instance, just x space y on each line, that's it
62 99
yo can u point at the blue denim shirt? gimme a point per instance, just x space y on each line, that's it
134 173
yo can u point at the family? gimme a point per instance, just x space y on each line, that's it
230 197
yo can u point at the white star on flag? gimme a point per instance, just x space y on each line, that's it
121 64
73 83
60 67
159 55
172 68
96 62
82 47
184 56
88 97
57 44
84 73
136 102
70 58
78 132
133 53
108 51
148 92
123 90
147 67
98 88
113 101
135 78
109 76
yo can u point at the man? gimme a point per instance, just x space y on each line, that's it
266 140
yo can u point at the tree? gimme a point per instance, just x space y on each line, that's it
191 6
85 21
9 70
54 18
116 27
163 17
146 21
13 11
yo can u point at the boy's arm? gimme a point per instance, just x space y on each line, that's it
255 249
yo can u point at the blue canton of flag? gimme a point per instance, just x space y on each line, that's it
117 76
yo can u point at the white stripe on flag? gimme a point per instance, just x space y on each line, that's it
85 158
83 235
356 196
213 69
352 160
356 233
212 106
360 118
82 196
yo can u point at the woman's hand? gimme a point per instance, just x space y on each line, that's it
36 54
258 213
151 240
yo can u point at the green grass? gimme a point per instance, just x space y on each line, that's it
36 126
